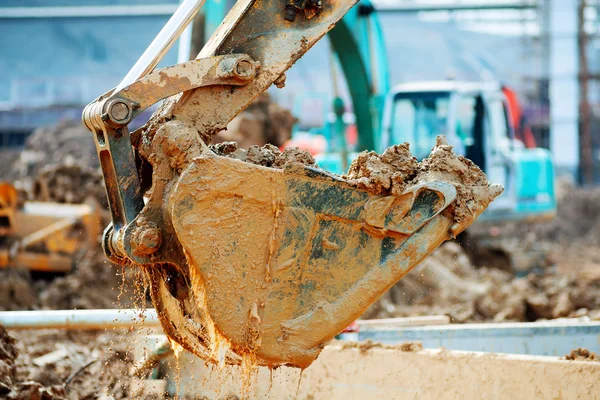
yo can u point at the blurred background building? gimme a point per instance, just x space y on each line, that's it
59 54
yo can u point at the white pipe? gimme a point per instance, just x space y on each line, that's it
368 324
87 11
393 6
79 319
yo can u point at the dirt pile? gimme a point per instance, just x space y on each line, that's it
557 263
447 283
577 219
8 169
581 354
12 384
59 164
95 283
57 365
68 182
67 142
569 241
266 156
388 173
396 170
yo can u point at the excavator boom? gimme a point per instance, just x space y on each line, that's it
262 263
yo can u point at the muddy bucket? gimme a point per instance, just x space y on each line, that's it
280 261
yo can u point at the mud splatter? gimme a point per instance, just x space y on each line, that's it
396 170
388 173
582 354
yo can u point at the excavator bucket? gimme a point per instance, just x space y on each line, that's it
279 261
250 263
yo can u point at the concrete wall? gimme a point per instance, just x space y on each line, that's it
389 373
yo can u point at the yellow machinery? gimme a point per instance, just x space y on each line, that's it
42 236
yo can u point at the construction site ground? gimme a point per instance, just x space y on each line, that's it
558 277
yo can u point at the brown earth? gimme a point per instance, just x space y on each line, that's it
386 173
60 365
581 354
266 156
396 170
68 142
562 255
59 164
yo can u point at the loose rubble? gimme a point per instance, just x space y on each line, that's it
396 169
59 164
67 142
563 283
60 365
581 354
387 173
15 387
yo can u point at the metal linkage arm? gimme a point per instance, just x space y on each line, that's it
109 115
118 108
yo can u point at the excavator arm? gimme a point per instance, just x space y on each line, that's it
248 263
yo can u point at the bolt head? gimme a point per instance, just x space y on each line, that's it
280 81
119 111
147 240
290 14
244 68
